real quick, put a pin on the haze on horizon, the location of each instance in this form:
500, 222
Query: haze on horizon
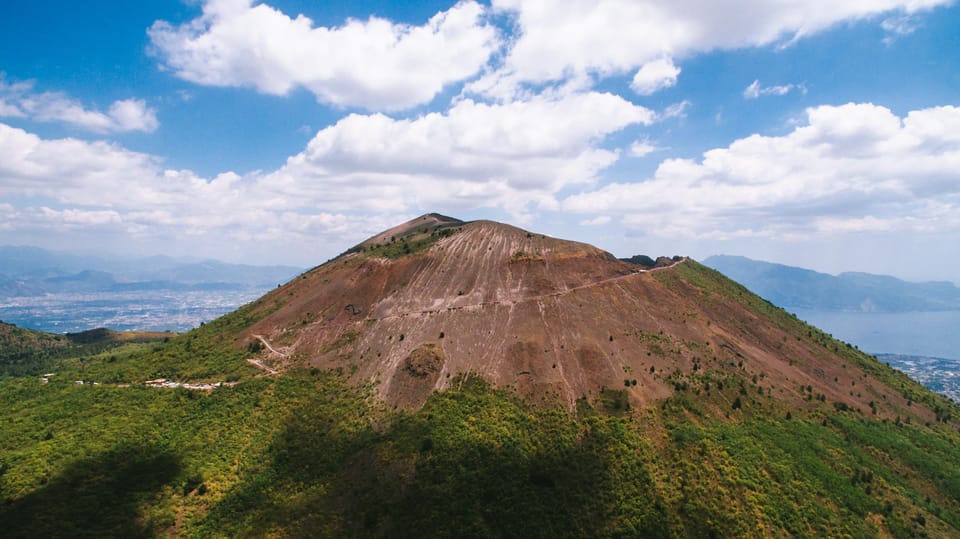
814, 134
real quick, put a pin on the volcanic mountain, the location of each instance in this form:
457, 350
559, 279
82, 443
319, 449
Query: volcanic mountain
413, 307
472, 379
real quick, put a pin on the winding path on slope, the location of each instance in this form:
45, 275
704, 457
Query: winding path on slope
510, 302
259, 364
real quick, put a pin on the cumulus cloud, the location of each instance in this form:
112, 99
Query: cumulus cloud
374, 64
132, 115
476, 154
676, 110
754, 90
515, 156
20, 100
77, 186
850, 168
596, 221
641, 148
856, 167
654, 76
77, 172
560, 39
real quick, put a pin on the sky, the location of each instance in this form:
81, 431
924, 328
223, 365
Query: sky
822, 134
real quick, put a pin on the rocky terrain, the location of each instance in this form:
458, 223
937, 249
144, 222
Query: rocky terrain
414, 307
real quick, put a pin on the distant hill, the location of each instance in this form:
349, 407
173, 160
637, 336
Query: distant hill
790, 286
30, 271
18, 261
25, 352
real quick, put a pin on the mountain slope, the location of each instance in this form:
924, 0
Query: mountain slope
557, 321
802, 288
743, 421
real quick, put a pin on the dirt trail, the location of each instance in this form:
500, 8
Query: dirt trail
258, 364
272, 349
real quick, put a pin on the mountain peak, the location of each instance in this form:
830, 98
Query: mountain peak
417, 306
424, 224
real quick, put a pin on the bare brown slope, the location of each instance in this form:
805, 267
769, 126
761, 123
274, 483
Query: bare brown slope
557, 320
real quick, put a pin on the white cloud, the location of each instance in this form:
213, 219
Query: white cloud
373, 64
856, 167
10, 110
85, 218
676, 110
515, 156
898, 26
73, 171
19, 100
596, 221
132, 115
75, 186
641, 148
654, 76
754, 90
10, 96
510, 155
852, 168
561, 39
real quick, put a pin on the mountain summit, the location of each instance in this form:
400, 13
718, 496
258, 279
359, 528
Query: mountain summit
417, 305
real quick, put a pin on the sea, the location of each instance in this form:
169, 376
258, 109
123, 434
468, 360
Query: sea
924, 333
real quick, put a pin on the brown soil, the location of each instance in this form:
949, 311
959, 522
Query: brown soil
417, 376
555, 320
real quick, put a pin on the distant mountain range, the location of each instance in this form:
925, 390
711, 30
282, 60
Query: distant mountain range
789, 286
32, 271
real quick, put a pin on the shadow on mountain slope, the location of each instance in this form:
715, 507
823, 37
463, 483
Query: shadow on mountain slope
471, 463
96, 497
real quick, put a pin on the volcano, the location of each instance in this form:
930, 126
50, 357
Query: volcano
472, 379
416, 306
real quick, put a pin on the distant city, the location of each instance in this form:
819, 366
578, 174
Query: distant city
940, 375
62, 292
151, 310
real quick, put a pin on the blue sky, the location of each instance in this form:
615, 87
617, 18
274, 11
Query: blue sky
814, 133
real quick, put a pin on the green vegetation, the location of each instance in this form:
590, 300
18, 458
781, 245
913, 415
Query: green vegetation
523, 256
407, 245
713, 288
210, 353
25, 352
306, 454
